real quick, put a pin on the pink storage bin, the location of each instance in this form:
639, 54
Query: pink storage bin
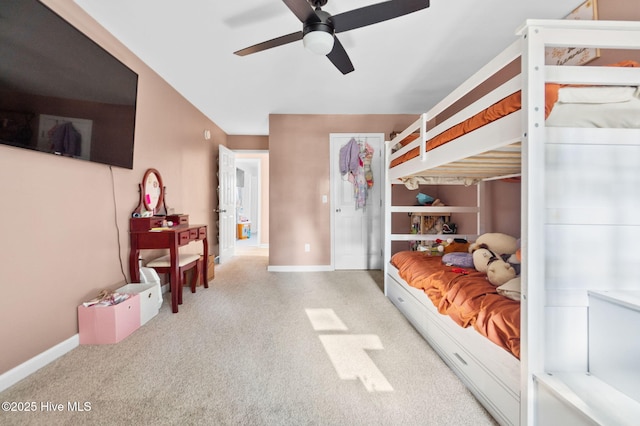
108, 324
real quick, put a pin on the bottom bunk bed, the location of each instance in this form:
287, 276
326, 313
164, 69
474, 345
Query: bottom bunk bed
490, 371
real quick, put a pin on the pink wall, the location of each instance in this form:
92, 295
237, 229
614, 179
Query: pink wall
60, 245
299, 155
249, 142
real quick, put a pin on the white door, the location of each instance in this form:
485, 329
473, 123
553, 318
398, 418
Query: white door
357, 232
226, 203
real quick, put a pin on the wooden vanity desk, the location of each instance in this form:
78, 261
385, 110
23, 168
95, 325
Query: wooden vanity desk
148, 233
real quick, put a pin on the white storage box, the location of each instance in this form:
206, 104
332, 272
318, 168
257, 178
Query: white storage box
150, 298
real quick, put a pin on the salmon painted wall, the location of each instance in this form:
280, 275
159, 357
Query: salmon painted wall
65, 221
299, 176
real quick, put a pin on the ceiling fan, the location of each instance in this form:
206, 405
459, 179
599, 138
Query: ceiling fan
319, 28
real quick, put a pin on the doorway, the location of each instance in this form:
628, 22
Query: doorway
252, 201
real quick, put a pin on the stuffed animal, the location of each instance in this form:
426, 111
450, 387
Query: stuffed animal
451, 245
499, 272
481, 258
500, 244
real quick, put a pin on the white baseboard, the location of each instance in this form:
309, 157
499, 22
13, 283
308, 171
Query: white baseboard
300, 268
29, 367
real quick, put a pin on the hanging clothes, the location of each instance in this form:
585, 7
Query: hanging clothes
368, 173
355, 163
349, 157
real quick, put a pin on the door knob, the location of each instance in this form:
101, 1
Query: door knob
338, 210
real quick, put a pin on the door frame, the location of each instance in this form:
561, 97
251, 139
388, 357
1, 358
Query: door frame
334, 174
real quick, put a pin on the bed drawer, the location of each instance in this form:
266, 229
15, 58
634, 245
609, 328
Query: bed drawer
407, 304
502, 403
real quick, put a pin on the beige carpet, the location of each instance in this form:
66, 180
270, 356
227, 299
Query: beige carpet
244, 352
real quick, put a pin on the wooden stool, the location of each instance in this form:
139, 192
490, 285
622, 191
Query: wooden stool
162, 265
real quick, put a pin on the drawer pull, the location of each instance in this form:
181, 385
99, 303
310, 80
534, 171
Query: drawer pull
460, 358
400, 300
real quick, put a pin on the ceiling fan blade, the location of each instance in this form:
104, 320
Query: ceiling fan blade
289, 38
375, 13
338, 56
303, 10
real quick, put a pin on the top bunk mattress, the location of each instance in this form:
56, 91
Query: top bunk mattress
565, 106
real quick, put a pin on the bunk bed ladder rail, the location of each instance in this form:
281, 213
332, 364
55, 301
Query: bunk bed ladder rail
420, 123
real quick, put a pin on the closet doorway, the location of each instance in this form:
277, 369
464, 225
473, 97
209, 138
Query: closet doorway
356, 229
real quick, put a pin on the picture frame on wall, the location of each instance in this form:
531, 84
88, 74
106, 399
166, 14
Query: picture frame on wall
572, 55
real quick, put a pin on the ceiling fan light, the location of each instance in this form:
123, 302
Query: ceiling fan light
319, 42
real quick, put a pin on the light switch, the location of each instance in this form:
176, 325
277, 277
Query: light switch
324, 199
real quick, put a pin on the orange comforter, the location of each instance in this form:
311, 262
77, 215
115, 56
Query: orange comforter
500, 109
468, 298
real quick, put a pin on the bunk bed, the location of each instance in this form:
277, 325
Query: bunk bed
534, 139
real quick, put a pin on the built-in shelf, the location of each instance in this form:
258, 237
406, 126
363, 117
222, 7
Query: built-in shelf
434, 210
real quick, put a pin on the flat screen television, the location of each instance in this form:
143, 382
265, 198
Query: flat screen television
61, 93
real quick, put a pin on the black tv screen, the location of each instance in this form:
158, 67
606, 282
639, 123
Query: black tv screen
61, 93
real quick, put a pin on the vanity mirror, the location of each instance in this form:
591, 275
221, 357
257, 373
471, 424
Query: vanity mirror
152, 201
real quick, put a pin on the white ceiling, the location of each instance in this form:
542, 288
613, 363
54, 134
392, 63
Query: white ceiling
402, 66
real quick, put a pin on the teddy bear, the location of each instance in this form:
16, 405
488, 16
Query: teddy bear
481, 257
500, 272
499, 243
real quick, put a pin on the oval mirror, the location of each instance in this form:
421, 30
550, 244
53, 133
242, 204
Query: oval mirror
152, 190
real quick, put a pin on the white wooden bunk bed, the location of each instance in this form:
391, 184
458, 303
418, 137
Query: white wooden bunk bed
580, 193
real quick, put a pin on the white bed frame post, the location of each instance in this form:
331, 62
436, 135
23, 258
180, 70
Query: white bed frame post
386, 210
532, 223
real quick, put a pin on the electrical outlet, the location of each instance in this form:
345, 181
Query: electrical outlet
307, 247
